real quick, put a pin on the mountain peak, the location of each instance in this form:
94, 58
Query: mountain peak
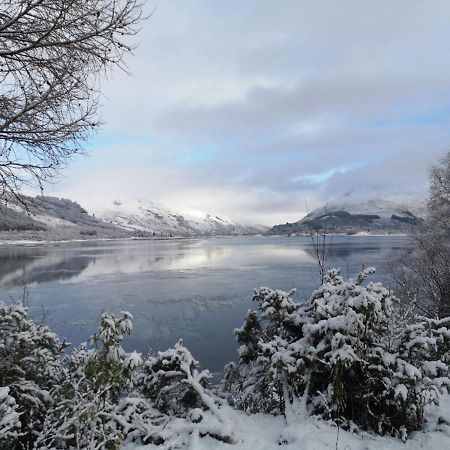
362, 210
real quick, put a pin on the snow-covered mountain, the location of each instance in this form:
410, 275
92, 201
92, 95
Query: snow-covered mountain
149, 217
371, 201
52, 218
363, 210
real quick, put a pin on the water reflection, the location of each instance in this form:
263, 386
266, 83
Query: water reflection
44, 271
80, 262
198, 290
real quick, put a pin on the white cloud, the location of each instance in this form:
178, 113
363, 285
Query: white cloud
234, 107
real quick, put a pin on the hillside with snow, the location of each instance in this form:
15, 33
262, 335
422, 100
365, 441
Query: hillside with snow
144, 216
361, 211
52, 218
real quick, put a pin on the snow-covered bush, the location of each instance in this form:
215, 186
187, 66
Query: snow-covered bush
172, 381
109, 365
93, 381
29, 366
137, 420
99, 396
349, 351
255, 383
9, 420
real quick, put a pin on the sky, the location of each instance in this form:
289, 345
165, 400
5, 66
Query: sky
260, 110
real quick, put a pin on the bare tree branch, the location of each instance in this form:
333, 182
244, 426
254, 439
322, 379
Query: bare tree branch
422, 274
52, 55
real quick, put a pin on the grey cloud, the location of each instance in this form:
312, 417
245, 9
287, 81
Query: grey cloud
275, 91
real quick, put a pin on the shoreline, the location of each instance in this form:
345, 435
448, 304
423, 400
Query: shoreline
55, 241
362, 234
43, 242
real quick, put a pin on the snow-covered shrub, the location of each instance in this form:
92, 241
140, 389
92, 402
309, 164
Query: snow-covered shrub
349, 351
99, 396
421, 372
256, 382
29, 366
175, 386
172, 381
9, 420
93, 381
365, 361
136, 419
109, 365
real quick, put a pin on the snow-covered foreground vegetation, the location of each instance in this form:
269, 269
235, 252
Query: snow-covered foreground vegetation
266, 432
348, 368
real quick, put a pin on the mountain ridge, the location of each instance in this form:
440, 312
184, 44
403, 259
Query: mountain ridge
353, 213
54, 218
149, 217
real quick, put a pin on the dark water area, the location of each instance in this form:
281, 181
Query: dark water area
198, 290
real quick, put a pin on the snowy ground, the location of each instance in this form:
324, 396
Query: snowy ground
264, 432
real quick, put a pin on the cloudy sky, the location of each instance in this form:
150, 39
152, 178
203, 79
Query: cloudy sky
253, 110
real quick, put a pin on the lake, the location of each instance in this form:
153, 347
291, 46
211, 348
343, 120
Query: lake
195, 289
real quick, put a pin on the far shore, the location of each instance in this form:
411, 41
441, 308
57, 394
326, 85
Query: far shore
10, 240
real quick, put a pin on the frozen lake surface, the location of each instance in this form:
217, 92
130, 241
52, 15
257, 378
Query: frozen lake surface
198, 289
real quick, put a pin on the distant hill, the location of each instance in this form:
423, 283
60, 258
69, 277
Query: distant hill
360, 212
52, 218
149, 217
44, 217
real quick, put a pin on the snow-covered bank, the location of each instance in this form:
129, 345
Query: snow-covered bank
266, 432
